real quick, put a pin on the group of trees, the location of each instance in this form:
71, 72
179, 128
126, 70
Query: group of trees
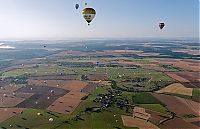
18, 80
77, 64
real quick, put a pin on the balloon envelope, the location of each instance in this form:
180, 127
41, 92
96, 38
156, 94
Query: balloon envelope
161, 25
77, 6
89, 14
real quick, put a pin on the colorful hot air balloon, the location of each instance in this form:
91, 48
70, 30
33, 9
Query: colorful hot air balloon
77, 6
161, 25
89, 14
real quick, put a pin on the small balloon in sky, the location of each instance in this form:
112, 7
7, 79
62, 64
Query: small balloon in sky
161, 25
77, 6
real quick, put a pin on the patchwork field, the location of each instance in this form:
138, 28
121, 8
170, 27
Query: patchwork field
189, 51
68, 103
75, 85
176, 104
42, 98
84, 88
156, 117
10, 97
50, 83
89, 88
130, 121
176, 88
7, 113
97, 77
10, 100
178, 123
191, 76
53, 77
178, 78
191, 65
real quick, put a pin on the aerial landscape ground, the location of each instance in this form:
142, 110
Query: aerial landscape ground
97, 84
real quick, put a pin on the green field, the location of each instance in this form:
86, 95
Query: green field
196, 92
156, 107
147, 101
188, 116
144, 98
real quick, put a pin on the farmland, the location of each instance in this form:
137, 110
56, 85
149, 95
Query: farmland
98, 88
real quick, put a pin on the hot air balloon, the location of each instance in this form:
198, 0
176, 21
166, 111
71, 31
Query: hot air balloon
161, 25
50, 119
77, 6
89, 14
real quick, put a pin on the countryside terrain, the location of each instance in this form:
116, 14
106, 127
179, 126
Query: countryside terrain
96, 84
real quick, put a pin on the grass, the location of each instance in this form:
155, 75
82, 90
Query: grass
156, 107
139, 72
143, 61
127, 95
188, 116
196, 92
38, 71
145, 98
29, 116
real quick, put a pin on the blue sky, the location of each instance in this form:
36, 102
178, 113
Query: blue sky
58, 19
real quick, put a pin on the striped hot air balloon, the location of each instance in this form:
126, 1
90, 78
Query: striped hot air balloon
88, 14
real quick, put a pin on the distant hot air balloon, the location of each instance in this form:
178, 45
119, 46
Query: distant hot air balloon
161, 25
77, 6
89, 14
